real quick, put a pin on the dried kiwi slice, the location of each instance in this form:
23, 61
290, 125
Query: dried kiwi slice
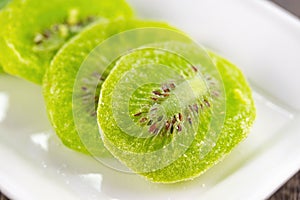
154, 114
1, 70
3, 3
34, 30
58, 85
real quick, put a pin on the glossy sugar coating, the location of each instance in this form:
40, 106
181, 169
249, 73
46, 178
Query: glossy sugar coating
240, 115
60, 78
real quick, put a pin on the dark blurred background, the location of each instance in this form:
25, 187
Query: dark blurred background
291, 189
291, 5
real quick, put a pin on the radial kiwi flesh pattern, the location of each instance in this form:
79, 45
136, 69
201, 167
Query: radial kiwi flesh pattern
60, 79
155, 110
160, 104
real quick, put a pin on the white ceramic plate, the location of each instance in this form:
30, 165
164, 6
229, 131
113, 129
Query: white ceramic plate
258, 36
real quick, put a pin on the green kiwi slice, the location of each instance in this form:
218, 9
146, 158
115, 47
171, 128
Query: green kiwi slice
3, 3
34, 30
1, 70
61, 76
158, 118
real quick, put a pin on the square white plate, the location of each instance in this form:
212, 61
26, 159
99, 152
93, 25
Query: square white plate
262, 39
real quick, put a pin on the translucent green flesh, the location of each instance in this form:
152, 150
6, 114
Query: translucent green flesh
141, 99
3, 3
21, 21
240, 114
60, 78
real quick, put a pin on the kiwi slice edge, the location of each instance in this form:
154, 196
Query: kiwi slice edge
58, 92
240, 115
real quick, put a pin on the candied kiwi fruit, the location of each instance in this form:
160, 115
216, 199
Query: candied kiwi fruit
34, 30
1, 70
59, 80
3, 3
155, 118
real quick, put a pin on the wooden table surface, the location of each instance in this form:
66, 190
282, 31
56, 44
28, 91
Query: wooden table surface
291, 189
